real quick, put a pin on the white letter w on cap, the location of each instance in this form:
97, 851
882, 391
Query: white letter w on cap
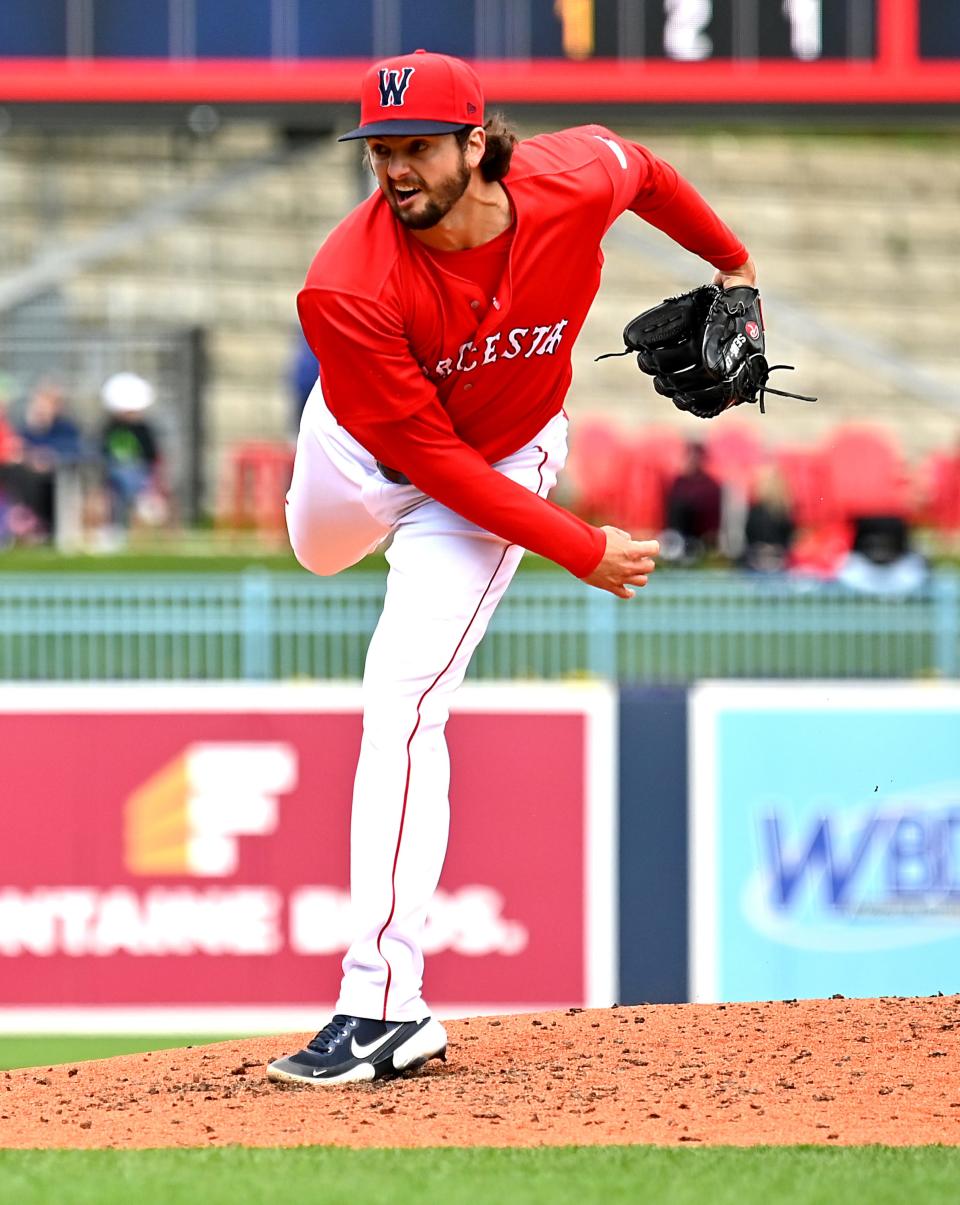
393, 84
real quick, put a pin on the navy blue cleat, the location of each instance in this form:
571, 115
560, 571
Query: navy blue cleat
352, 1050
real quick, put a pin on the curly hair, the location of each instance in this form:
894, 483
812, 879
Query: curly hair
501, 140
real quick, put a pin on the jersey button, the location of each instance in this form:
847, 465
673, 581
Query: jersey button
468, 385
474, 305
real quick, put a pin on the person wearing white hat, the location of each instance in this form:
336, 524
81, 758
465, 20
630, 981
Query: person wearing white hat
128, 444
126, 393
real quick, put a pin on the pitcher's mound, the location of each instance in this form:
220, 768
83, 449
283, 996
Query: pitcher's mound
818, 1071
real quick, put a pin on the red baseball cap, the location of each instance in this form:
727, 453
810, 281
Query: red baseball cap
418, 93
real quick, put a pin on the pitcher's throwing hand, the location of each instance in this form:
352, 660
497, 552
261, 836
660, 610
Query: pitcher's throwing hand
625, 562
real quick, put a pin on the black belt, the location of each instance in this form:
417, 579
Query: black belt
393, 475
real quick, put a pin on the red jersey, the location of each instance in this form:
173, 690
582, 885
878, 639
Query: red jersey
439, 381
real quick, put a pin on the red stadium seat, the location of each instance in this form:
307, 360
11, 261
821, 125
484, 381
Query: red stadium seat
597, 455
735, 453
664, 448
640, 497
866, 473
260, 473
821, 550
939, 488
805, 472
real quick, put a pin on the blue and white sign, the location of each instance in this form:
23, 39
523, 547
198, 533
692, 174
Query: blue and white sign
824, 840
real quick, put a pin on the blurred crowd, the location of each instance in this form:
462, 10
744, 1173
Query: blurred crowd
98, 480
849, 511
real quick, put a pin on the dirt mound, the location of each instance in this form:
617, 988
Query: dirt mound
815, 1071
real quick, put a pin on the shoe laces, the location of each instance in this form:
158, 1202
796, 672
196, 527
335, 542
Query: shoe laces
332, 1034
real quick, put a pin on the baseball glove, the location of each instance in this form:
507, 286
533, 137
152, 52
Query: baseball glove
705, 350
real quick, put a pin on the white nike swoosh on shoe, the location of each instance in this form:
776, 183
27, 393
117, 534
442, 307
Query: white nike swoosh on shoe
362, 1052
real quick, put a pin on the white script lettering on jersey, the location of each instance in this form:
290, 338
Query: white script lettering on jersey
522, 341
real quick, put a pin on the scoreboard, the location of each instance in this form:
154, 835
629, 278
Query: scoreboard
793, 52
694, 30
697, 30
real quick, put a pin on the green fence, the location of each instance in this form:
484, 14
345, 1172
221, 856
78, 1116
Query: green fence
260, 625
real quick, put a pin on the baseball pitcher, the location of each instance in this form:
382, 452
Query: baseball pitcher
443, 311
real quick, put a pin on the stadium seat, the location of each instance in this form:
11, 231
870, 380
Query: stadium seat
642, 485
259, 477
664, 448
805, 472
734, 453
866, 473
595, 468
938, 486
820, 551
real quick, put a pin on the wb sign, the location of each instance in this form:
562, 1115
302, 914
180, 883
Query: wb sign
898, 863
825, 840
393, 85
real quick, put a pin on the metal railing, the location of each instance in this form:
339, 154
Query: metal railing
262, 626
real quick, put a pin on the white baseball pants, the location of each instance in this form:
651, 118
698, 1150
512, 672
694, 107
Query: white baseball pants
445, 580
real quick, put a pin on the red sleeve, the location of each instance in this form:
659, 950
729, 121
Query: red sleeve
376, 391
365, 359
685, 216
653, 189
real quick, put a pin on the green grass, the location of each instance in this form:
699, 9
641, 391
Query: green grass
580, 1175
32, 1050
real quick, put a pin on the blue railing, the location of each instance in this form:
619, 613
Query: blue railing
257, 625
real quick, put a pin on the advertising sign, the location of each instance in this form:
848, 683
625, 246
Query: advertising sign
177, 856
825, 840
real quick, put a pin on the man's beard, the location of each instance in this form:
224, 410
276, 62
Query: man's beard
442, 199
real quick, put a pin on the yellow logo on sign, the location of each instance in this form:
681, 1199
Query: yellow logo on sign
186, 819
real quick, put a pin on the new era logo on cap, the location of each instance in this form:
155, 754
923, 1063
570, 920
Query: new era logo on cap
418, 93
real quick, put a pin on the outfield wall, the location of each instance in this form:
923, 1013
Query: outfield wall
824, 840
175, 857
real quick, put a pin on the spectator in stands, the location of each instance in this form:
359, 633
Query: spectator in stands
769, 528
130, 451
50, 437
48, 444
693, 506
881, 560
